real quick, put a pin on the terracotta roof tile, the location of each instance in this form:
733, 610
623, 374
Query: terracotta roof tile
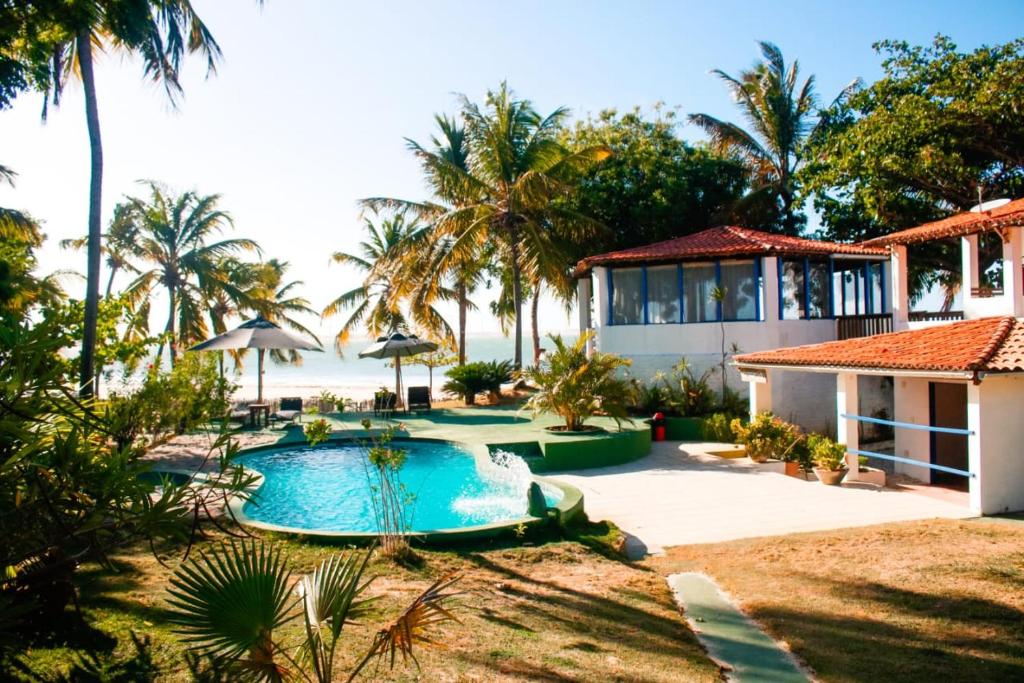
985, 345
724, 241
958, 225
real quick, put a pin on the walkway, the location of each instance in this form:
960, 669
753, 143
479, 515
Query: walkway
678, 495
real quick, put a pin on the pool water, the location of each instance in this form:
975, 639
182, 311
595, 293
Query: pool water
327, 488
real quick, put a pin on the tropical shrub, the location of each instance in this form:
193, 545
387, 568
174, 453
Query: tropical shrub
683, 392
391, 501
317, 431
767, 436
575, 387
473, 378
646, 399
230, 604
716, 427
826, 453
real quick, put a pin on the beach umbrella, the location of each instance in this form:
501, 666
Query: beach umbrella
397, 346
259, 334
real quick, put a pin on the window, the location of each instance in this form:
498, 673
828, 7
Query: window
858, 287
791, 289
739, 285
698, 284
818, 286
663, 294
627, 296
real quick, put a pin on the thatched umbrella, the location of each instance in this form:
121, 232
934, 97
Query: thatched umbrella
397, 345
259, 334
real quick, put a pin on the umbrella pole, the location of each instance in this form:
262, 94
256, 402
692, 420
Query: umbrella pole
398, 381
259, 377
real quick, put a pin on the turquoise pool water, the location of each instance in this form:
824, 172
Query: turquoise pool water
327, 488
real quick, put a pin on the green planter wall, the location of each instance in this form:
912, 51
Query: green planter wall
684, 428
597, 450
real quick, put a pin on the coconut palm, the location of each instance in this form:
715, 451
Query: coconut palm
174, 234
161, 33
376, 303
117, 246
780, 113
278, 301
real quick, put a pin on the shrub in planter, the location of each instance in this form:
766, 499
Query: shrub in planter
688, 394
472, 378
829, 459
767, 436
497, 373
575, 387
717, 428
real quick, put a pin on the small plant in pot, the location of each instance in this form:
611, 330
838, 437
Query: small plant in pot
766, 436
829, 459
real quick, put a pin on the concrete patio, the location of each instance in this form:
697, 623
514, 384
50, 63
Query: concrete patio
679, 495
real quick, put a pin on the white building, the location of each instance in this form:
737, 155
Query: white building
655, 305
958, 377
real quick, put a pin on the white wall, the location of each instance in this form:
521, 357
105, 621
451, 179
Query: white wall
995, 451
910, 399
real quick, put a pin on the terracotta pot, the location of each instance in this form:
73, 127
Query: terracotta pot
793, 470
830, 477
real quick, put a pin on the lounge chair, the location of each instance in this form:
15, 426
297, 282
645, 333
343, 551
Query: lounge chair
419, 399
384, 402
289, 409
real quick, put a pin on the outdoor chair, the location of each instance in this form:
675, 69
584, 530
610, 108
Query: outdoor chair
289, 409
419, 399
384, 402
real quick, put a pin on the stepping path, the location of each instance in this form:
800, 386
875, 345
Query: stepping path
731, 638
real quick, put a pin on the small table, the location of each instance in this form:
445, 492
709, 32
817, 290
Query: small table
254, 411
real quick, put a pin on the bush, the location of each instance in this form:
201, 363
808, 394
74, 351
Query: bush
768, 436
826, 453
716, 428
575, 387
687, 393
317, 431
473, 378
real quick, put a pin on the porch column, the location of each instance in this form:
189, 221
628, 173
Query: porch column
974, 465
899, 287
847, 403
584, 302
1013, 258
760, 393
770, 288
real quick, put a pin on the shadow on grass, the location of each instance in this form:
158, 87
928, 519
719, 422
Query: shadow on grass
968, 638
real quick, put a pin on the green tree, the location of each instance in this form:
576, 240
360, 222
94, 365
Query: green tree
160, 32
780, 112
279, 302
654, 186
174, 233
938, 130
20, 288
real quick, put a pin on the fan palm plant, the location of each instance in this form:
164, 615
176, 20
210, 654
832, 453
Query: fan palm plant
780, 112
173, 238
230, 604
161, 33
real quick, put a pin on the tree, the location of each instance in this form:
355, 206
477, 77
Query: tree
780, 112
654, 186
20, 235
173, 239
517, 171
278, 301
161, 33
376, 302
938, 130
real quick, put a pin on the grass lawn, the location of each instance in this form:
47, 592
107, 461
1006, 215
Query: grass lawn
938, 600
554, 612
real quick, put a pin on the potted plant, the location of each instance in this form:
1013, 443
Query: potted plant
575, 387
829, 459
766, 436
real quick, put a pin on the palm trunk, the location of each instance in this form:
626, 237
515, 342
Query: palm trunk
517, 301
463, 306
534, 325
259, 375
110, 282
92, 282
170, 329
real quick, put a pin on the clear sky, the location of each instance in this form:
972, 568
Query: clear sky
309, 109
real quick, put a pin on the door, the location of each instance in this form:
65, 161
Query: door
948, 408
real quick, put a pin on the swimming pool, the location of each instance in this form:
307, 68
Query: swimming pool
326, 489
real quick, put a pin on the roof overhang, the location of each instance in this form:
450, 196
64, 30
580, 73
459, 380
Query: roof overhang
962, 375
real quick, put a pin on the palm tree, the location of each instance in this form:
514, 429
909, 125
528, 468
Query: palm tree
173, 238
277, 301
510, 181
118, 243
779, 111
161, 32
376, 302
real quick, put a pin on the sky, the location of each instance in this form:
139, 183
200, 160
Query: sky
310, 108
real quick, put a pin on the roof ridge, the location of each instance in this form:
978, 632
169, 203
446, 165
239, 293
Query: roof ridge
999, 336
748, 235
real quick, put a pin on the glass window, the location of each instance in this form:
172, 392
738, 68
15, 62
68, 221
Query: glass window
739, 283
698, 284
819, 286
878, 288
791, 287
663, 294
627, 297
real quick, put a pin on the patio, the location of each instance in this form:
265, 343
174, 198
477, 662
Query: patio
679, 495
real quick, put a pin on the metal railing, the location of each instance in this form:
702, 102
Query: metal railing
934, 316
853, 326
910, 461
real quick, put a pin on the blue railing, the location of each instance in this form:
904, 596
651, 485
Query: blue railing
910, 425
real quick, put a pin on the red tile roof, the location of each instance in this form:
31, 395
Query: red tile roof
725, 241
985, 345
958, 225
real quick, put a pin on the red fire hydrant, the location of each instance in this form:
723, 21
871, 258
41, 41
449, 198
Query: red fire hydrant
658, 426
